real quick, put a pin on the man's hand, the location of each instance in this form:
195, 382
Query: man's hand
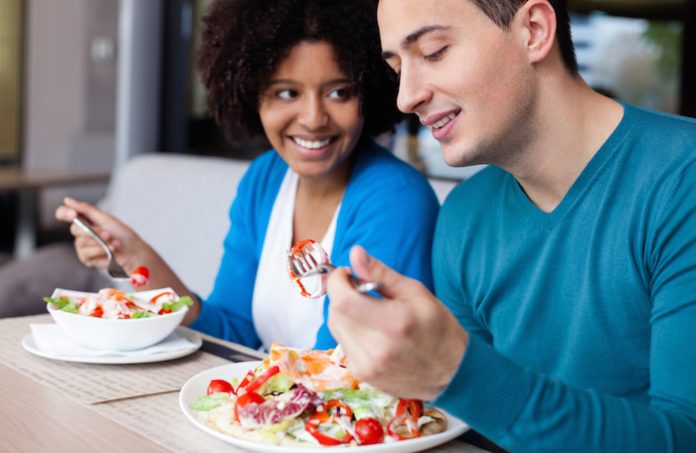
406, 344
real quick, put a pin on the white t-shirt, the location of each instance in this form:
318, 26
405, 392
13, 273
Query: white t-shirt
280, 313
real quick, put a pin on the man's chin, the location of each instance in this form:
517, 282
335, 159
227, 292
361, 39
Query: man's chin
456, 159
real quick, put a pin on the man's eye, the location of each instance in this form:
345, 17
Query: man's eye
435, 56
286, 94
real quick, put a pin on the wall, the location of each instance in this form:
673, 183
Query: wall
70, 90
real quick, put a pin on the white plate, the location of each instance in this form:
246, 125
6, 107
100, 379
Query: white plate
197, 386
117, 359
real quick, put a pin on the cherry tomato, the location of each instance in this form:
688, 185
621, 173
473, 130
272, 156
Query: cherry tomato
369, 431
140, 277
246, 399
98, 312
219, 386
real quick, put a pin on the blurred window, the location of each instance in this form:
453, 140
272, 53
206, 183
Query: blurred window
10, 79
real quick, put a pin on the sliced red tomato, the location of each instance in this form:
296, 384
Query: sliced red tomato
245, 400
369, 431
140, 277
220, 386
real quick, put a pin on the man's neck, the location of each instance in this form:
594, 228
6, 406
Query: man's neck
571, 123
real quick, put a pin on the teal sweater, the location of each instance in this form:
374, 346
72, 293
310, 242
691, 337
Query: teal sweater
583, 320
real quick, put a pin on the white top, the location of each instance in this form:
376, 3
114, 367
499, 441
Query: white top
280, 313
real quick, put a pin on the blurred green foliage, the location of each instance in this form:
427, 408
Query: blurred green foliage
667, 36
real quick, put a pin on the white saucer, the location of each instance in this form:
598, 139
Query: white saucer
118, 359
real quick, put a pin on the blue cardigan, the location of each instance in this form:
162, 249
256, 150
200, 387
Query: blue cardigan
388, 207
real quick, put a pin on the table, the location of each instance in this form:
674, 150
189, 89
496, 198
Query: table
28, 183
43, 410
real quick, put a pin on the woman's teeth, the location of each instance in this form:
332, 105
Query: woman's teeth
443, 122
311, 144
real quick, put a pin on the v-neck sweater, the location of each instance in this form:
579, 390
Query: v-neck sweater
582, 320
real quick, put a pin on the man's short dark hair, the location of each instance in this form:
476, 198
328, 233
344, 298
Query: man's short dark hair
502, 11
244, 41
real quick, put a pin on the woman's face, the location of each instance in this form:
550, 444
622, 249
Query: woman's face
310, 111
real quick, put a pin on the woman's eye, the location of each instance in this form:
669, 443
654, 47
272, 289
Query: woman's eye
435, 56
286, 94
340, 93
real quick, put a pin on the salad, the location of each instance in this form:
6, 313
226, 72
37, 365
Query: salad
110, 303
309, 398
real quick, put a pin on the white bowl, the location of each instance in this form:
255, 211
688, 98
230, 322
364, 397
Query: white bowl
114, 334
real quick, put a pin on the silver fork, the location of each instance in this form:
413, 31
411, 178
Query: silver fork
113, 268
303, 263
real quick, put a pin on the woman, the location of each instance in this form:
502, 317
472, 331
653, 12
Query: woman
308, 74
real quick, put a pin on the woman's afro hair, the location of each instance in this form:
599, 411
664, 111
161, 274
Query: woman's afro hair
244, 41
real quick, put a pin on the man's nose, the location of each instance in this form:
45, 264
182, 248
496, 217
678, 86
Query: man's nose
413, 91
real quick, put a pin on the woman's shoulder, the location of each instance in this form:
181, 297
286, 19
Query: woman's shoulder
268, 162
381, 182
377, 167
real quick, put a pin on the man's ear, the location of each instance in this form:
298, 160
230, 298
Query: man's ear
536, 20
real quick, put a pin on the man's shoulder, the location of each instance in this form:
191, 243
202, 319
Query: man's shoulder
377, 170
671, 132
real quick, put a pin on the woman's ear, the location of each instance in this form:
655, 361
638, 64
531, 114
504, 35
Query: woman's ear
536, 20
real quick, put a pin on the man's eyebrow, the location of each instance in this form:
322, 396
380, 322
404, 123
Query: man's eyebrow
415, 36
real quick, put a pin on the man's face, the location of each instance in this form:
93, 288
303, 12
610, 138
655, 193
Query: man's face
468, 80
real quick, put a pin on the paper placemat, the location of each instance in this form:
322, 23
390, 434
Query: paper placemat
90, 383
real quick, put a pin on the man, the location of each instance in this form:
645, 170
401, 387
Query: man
568, 266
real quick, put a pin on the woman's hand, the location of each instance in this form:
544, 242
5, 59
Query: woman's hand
127, 247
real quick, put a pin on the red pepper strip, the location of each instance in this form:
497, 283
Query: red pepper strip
338, 404
154, 299
247, 378
296, 279
312, 427
263, 377
407, 412
395, 423
300, 245
413, 408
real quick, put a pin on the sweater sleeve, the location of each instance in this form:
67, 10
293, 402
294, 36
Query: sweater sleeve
226, 313
525, 411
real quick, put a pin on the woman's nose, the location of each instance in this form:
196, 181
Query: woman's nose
314, 114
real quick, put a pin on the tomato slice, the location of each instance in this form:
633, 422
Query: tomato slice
220, 386
245, 400
369, 431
